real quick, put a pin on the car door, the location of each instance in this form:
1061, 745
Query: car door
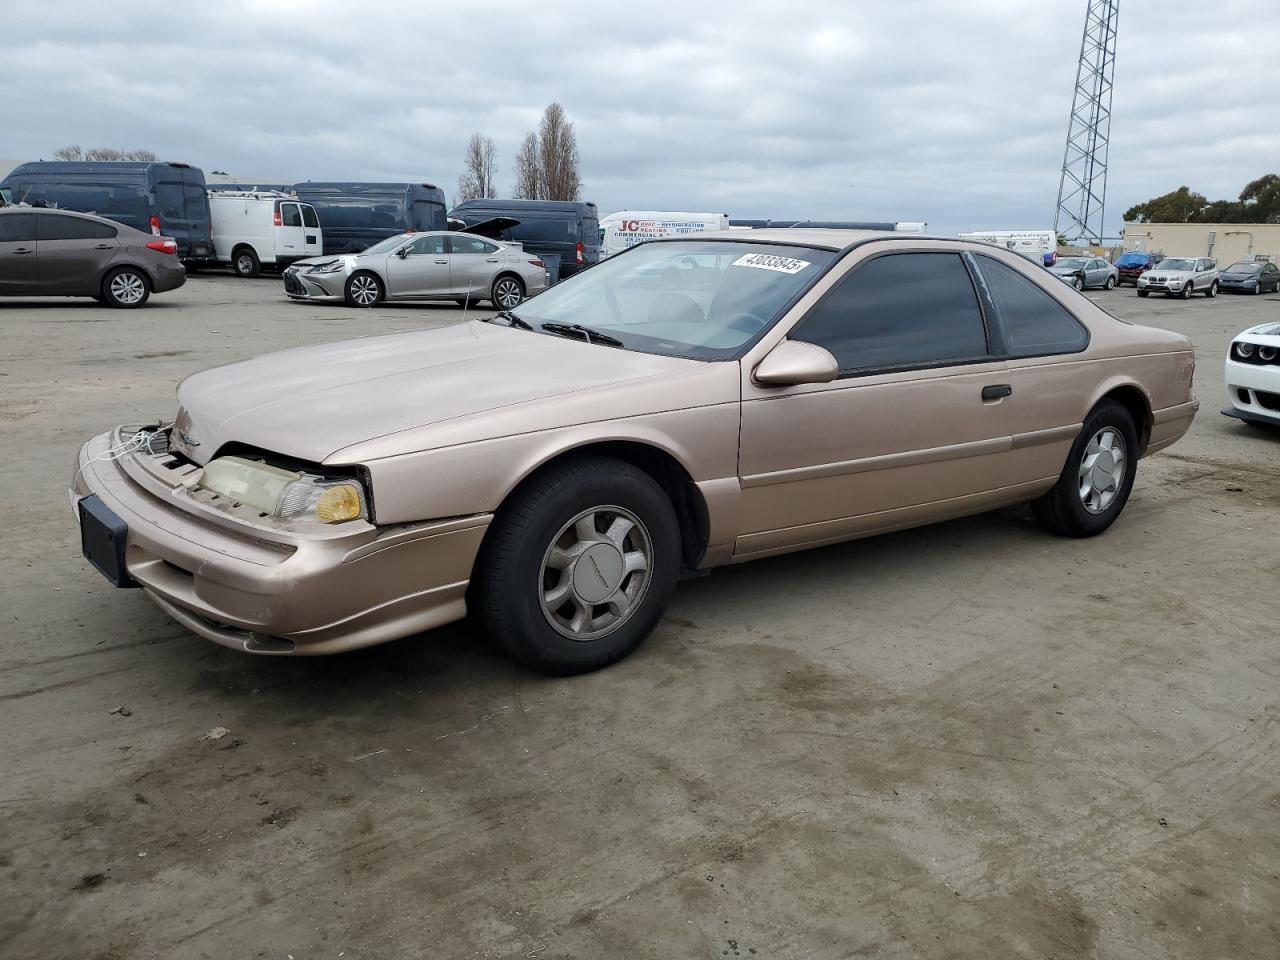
1202, 277
1270, 278
473, 262
19, 260
913, 427
420, 269
291, 242
312, 238
74, 253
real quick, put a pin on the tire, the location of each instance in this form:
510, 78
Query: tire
521, 572
1078, 283
1186, 291
1257, 290
126, 288
1111, 283
1212, 291
245, 263
507, 292
1064, 509
364, 289
1144, 293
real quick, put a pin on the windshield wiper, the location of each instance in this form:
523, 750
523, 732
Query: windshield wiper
511, 318
587, 334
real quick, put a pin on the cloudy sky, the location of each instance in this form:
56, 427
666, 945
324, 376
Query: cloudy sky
937, 110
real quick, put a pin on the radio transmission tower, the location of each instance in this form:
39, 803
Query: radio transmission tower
1082, 191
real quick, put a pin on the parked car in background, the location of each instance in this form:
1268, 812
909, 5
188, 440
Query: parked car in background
355, 216
252, 230
626, 228
58, 253
566, 230
554, 470
1085, 272
1181, 277
1250, 276
1134, 264
438, 265
1253, 375
163, 199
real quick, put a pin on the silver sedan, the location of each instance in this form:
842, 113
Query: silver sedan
436, 265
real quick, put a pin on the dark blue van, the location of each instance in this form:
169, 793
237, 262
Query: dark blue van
568, 229
355, 216
166, 199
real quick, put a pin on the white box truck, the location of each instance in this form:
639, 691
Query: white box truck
1040, 246
626, 228
253, 229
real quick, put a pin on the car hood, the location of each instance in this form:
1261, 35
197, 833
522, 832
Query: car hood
316, 261
1064, 271
1175, 274
1267, 333
479, 379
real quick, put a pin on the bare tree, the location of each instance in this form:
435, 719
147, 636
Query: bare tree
477, 183
528, 184
558, 152
547, 162
73, 152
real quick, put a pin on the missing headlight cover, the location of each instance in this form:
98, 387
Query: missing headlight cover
285, 494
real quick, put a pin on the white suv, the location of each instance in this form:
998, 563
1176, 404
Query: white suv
1181, 276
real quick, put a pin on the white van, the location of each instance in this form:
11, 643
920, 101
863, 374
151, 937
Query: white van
626, 228
1032, 244
257, 228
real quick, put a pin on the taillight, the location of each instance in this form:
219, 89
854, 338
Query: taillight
163, 246
155, 225
277, 219
537, 263
579, 252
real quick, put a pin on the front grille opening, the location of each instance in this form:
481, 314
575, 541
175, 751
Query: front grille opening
1269, 400
1243, 394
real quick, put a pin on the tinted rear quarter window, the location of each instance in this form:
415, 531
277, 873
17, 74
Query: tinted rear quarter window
1035, 323
900, 310
471, 245
53, 227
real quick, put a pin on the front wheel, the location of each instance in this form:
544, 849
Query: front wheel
1095, 483
1186, 292
1212, 291
1144, 293
364, 290
507, 292
1077, 282
125, 288
578, 566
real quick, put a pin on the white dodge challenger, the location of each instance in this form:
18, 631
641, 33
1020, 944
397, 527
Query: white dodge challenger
1253, 375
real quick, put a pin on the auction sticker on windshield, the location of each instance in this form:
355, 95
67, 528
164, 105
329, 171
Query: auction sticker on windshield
766, 261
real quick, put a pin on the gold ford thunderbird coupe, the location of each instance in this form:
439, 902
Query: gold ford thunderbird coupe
686, 404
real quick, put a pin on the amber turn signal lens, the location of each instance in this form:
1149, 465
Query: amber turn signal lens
338, 504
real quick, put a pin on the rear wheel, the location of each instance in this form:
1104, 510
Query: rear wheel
1111, 283
1095, 483
125, 288
507, 292
364, 290
1212, 291
578, 566
246, 263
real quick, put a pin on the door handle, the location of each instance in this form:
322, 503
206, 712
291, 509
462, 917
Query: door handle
442, 261
23, 251
103, 246
493, 260
996, 391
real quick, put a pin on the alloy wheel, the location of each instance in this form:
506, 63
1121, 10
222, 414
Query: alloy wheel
508, 293
595, 572
1102, 470
364, 291
245, 264
128, 287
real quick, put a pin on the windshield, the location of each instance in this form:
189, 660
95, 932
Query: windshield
1245, 267
1071, 263
387, 245
1176, 264
702, 300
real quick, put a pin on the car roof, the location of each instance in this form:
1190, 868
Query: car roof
27, 208
817, 237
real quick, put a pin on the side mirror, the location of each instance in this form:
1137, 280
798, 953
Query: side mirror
794, 361
403, 252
